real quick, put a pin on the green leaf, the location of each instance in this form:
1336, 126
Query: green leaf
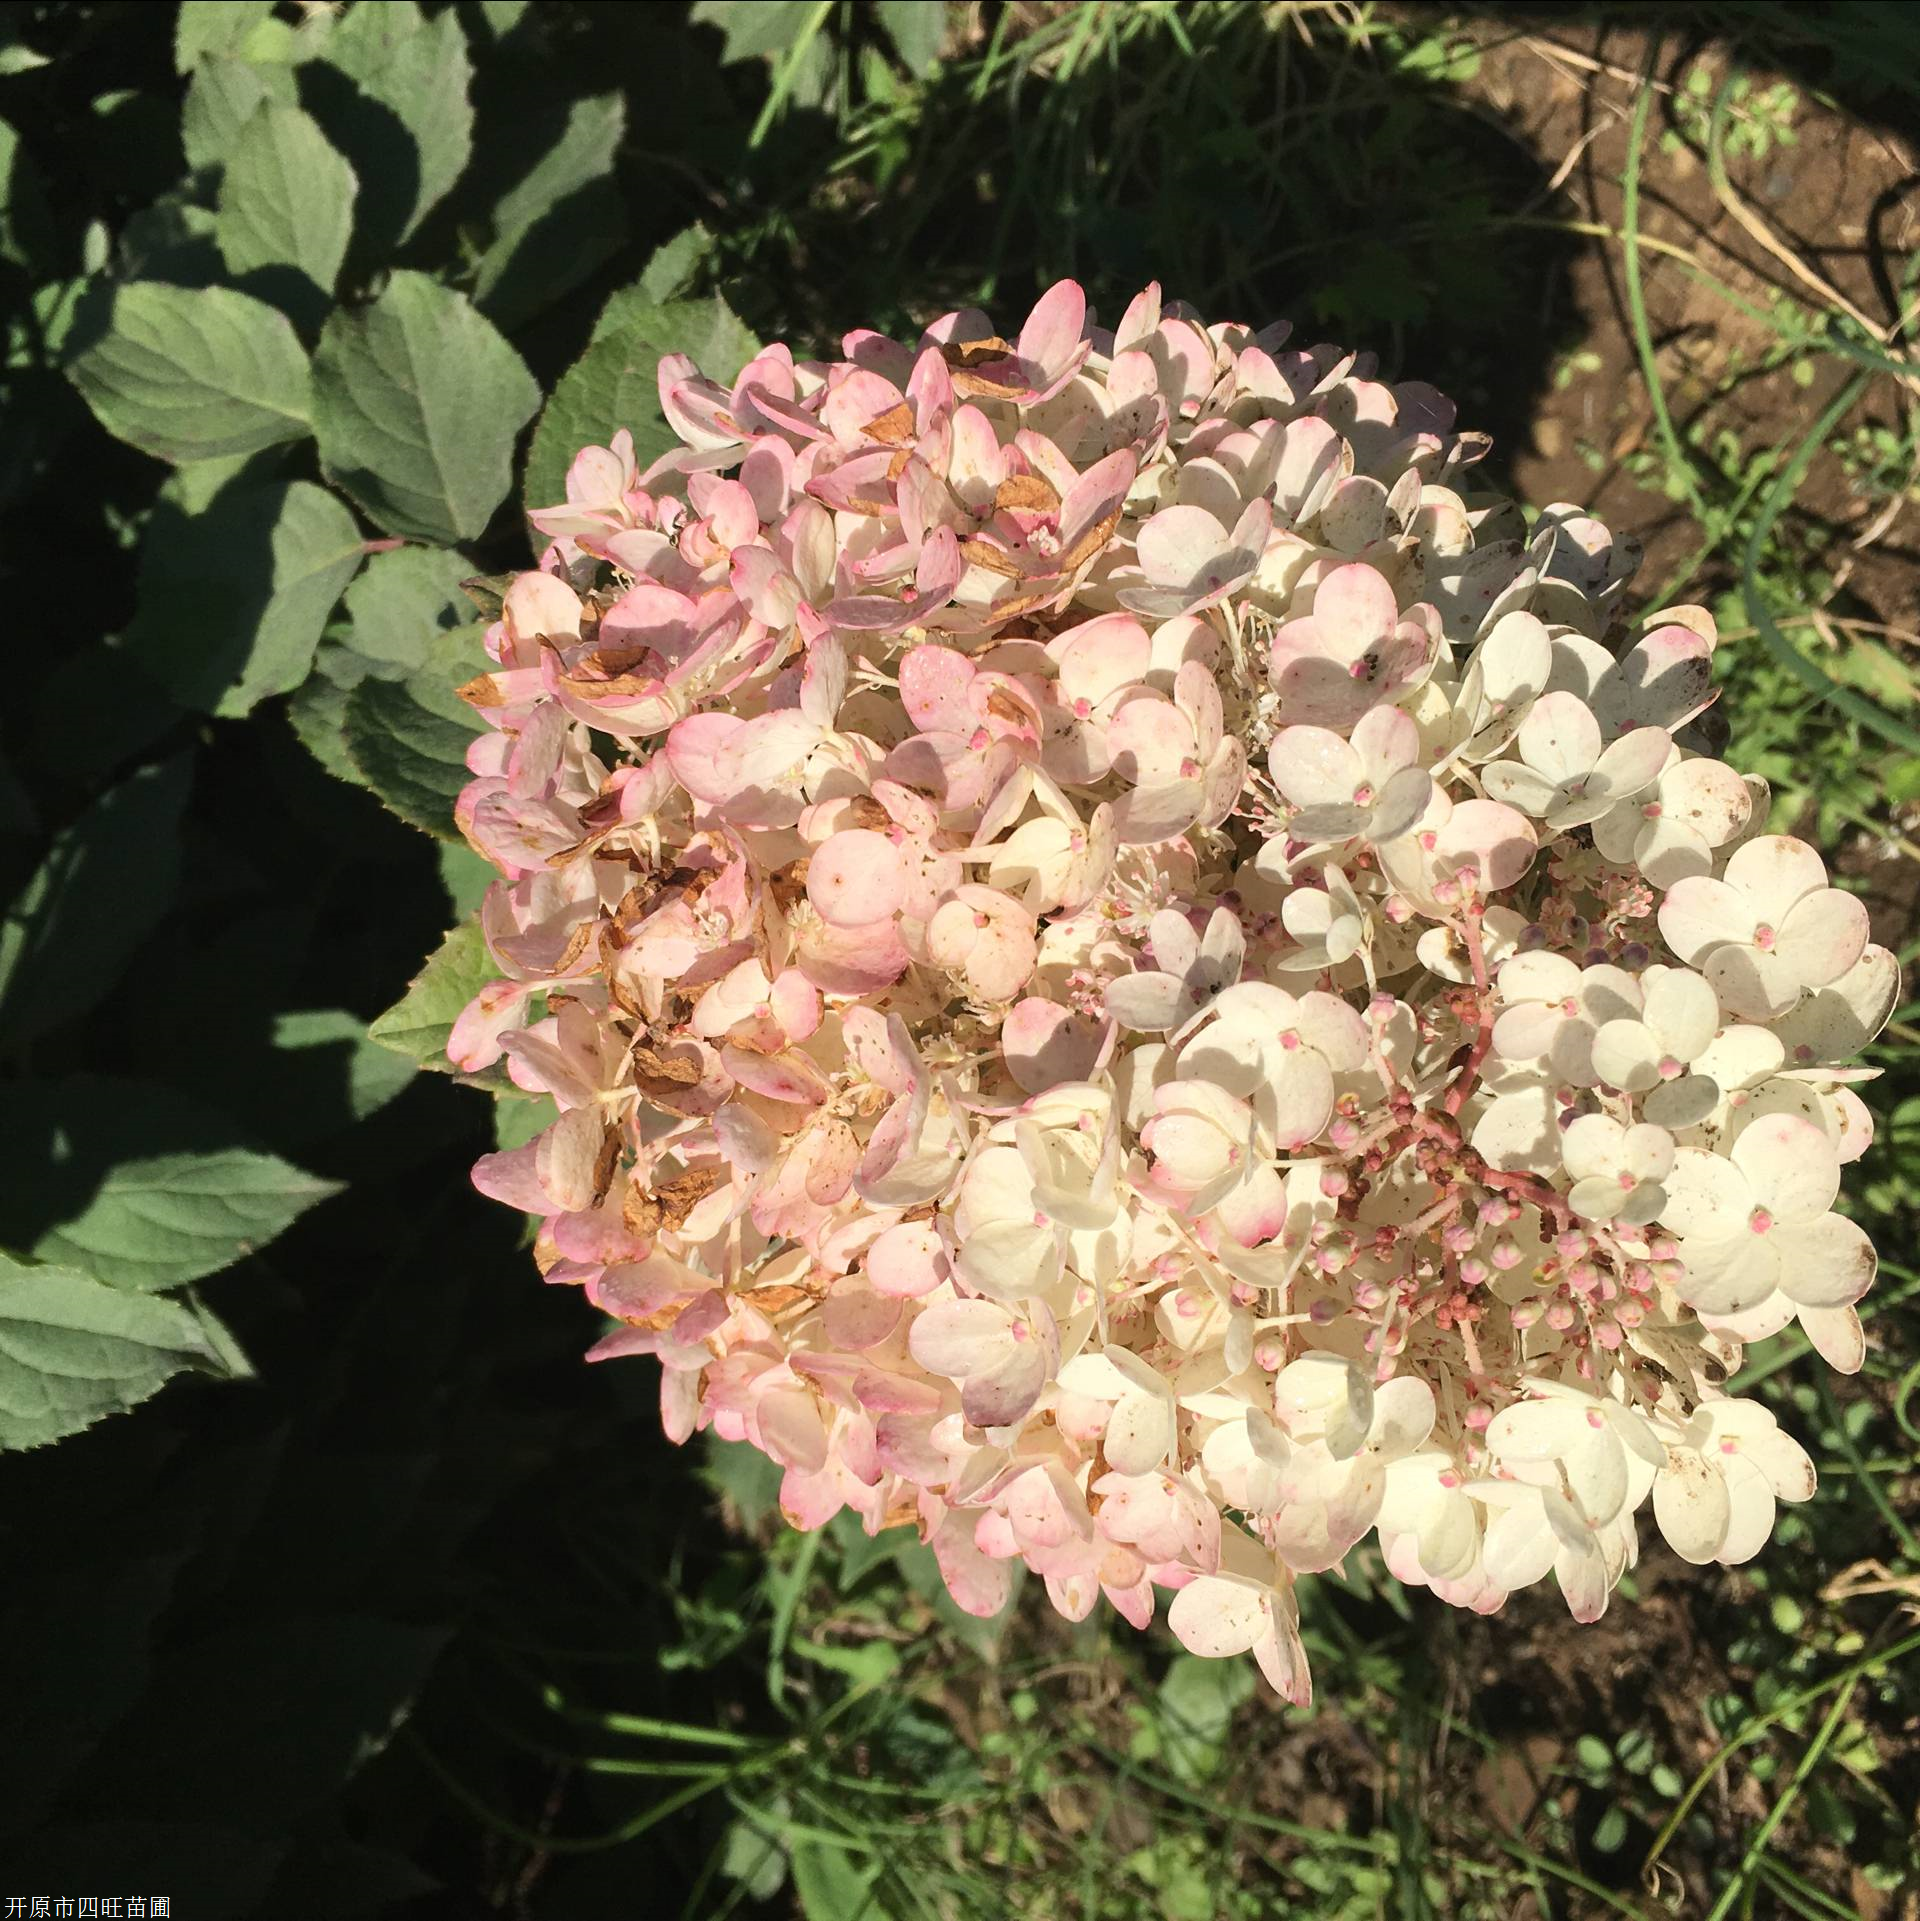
73, 1351
397, 609
615, 383
465, 876
562, 220
409, 740
233, 600
401, 601
516, 1122
832, 1884
204, 29
918, 30
421, 1022
417, 403
403, 119
326, 1070
140, 1186
222, 98
191, 373
668, 273
754, 1859
27, 235
1197, 1702
286, 209
317, 711
105, 883
768, 30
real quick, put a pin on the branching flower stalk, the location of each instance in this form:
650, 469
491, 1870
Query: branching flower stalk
1138, 978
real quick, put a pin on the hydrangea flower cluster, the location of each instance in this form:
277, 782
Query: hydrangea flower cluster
1137, 977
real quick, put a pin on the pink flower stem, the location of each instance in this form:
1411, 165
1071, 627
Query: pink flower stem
1456, 1096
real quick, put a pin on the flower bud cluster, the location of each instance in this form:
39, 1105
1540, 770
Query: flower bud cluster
1138, 977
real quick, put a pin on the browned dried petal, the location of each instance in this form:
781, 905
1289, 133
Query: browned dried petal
665, 1206
481, 691
891, 427
991, 559
1027, 494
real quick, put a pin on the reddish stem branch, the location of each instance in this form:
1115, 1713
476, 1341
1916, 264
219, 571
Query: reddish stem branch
1456, 1095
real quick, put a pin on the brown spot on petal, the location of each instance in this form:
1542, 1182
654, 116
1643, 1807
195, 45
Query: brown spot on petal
607, 1163
972, 353
481, 691
1026, 494
984, 369
777, 1299
668, 1070
891, 427
991, 559
1090, 543
666, 1205
576, 945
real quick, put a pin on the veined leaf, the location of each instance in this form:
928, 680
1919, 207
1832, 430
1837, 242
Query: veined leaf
286, 209
138, 1185
73, 1350
190, 373
421, 1022
233, 600
418, 401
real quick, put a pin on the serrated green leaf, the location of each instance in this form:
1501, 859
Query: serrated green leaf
233, 600
397, 107
205, 29
420, 1023
140, 1186
317, 712
561, 221
417, 403
667, 275
409, 740
615, 383
286, 209
191, 373
465, 876
222, 98
400, 601
918, 30
119, 859
583, 152
73, 1351
397, 611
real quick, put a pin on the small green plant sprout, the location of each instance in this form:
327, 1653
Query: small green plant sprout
1757, 121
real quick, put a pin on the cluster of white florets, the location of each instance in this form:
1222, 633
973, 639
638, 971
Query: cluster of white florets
1140, 980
